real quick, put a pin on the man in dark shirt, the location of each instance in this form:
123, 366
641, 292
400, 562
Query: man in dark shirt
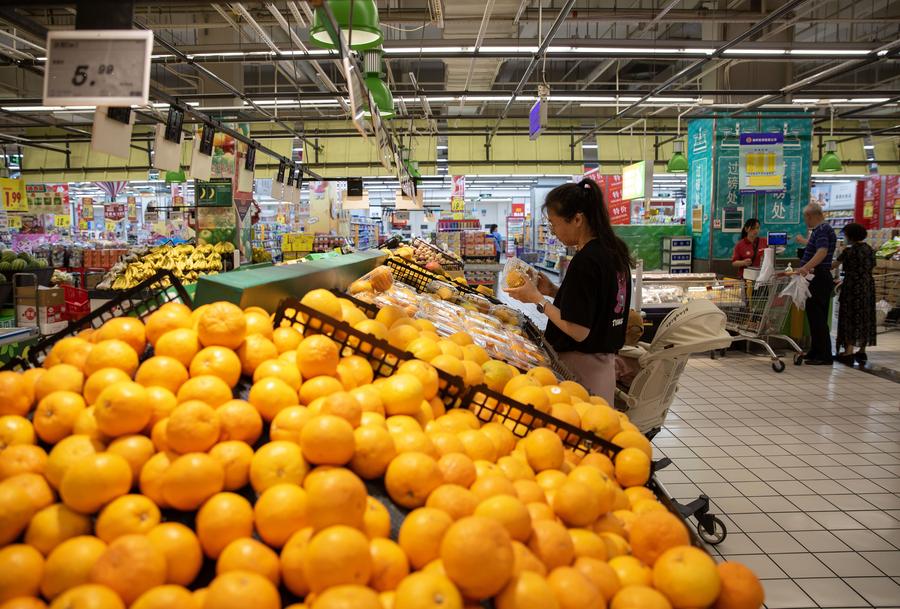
816, 260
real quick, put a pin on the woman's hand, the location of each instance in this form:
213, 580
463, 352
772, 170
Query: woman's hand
527, 292
545, 286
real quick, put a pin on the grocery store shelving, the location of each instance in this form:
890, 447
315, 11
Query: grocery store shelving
365, 234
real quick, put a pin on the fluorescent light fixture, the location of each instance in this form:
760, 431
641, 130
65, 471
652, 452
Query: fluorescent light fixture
869, 146
507, 49
427, 50
830, 51
589, 146
441, 147
849, 176
773, 52
868, 100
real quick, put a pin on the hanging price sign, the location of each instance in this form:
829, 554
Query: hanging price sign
13, 194
87, 208
62, 221
15, 221
111, 226
82, 225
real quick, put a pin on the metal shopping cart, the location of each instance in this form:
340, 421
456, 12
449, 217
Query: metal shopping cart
755, 312
887, 299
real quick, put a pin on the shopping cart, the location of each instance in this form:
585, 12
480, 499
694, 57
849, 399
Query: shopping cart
887, 300
755, 312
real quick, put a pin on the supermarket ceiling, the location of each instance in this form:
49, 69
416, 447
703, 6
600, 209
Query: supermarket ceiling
607, 63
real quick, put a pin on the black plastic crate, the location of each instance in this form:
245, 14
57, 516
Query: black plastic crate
418, 277
140, 301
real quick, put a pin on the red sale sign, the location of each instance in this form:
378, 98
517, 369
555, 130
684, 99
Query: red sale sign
891, 212
611, 187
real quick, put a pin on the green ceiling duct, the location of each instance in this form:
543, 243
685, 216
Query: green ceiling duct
830, 161
678, 163
366, 33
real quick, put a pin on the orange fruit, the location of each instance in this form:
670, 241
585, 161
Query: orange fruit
634, 439
16, 395
241, 589
323, 301
402, 394
55, 415
246, 554
599, 573
335, 556
336, 497
15, 430
639, 596
235, 457
740, 587
543, 375
258, 322
86, 424
221, 324
573, 590
317, 387
126, 515
288, 423
474, 353
279, 512
89, 595
317, 355
21, 568
93, 480
162, 597
292, 559
449, 364
543, 450
457, 501
62, 377
135, 449
276, 462
529, 491
478, 557
24, 602
631, 571
525, 560
68, 451
122, 408
575, 389
255, 350
632, 467
373, 451
161, 321
158, 435
100, 380
182, 344
191, 479
508, 511
423, 347
193, 426
532, 395
478, 445
527, 590
239, 420
653, 533
112, 353
69, 564
601, 462
54, 524
457, 468
551, 543
127, 329
376, 520
492, 485
425, 372
411, 477
687, 576
130, 566
401, 336
69, 350
474, 375
343, 405
424, 590
286, 339
576, 504
162, 371
162, 403
222, 519
39, 493
281, 369
270, 395
206, 388
354, 371
180, 547
389, 564
445, 442
587, 543
413, 441
373, 327
344, 597
421, 534
217, 361
503, 439
602, 421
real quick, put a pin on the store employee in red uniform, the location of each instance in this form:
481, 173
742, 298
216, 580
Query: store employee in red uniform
748, 251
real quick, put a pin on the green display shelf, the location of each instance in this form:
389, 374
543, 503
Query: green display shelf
266, 287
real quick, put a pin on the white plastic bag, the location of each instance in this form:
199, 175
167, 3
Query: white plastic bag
798, 291
767, 268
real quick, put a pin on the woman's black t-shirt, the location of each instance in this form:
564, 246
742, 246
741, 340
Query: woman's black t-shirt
595, 296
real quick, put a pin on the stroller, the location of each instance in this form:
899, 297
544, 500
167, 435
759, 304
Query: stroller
695, 327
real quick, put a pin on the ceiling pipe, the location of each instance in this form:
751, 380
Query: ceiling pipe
296, 40
482, 30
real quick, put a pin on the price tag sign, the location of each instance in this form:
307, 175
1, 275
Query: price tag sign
15, 221
13, 194
111, 226
62, 221
87, 208
98, 67
82, 225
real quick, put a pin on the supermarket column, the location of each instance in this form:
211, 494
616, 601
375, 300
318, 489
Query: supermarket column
587, 318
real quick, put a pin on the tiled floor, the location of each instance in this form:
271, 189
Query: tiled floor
886, 352
804, 468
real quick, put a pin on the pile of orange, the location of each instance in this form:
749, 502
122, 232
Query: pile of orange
99, 444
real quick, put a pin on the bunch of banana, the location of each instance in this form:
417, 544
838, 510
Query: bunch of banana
186, 262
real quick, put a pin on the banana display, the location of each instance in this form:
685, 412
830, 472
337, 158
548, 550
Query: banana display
187, 262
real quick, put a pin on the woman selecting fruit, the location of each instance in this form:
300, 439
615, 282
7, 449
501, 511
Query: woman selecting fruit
587, 317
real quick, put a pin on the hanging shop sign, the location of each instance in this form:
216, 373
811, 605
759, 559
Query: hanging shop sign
213, 194
114, 211
458, 204
868, 197
13, 194
761, 159
458, 186
47, 198
97, 67
111, 226
86, 212
634, 180
132, 209
891, 214
517, 209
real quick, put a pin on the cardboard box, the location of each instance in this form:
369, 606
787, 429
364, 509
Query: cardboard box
41, 307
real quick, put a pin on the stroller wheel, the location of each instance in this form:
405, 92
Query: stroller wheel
778, 366
711, 529
798, 359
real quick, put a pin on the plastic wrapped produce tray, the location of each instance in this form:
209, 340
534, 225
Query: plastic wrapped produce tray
449, 262
417, 277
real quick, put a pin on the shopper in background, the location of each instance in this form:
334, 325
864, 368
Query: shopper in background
494, 234
748, 250
588, 316
816, 261
856, 316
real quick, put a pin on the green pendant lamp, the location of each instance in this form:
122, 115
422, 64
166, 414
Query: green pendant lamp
382, 96
364, 32
678, 163
830, 161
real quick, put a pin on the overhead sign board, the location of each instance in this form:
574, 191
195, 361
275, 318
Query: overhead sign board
97, 67
537, 118
634, 181
761, 162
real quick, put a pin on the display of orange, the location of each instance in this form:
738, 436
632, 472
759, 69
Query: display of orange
288, 423
276, 462
62, 377
741, 588
411, 477
687, 576
576, 504
402, 394
572, 589
281, 369
543, 450
653, 533
413, 441
54, 524
354, 371
217, 361
111, 353
182, 344
599, 573
162, 403
180, 547
65, 453
206, 388
335, 497
191, 479
631, 571
341, 597
255, 350
239, 420
122, 408
492, 484
241, 589
222, 519
445, 442
323, 301
337, 555
292, 558
126, 515
373, 450
221, 324
93, 480
270, 395
24, 602
55, 415
136, 449
551, 543
634, 439
235, 457
639, 596
162, 371
527, 590
421, 534
401, 335
246, 554
508, 511
38, 492
286, 339
632, 467
127, 329
21, 568
69, 565
317, 387
86, 424
16, 394
130, 566
163, 320
477, 555
457, 468
100, 380
601, 420
193, 426
163, 597
258, 322
340, 404
279, 512
317, 355
389, 564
